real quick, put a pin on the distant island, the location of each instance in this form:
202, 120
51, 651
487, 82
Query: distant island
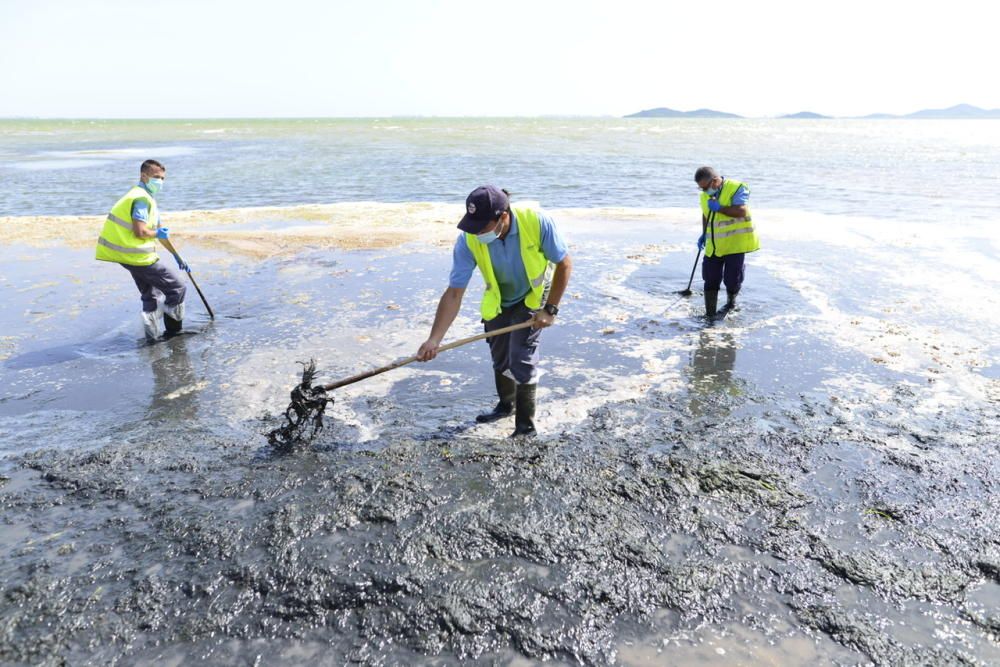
957, 112
664, 112
805, 114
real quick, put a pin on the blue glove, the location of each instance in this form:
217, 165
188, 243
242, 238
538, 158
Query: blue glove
162, 233
701, 242
714, 205
181, 264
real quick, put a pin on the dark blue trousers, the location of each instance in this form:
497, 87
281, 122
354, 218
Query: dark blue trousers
517, 351
154, 280
729, 269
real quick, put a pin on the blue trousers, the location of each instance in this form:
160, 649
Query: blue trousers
154, 280
729, 269
515, 353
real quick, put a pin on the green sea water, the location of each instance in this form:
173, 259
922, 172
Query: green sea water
926, 171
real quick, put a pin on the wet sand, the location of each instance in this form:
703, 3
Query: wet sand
813, 480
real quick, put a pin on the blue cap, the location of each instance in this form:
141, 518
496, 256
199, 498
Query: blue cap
483, 205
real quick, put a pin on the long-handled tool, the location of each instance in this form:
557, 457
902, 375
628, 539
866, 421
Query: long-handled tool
173, 251
304, 415
687, 291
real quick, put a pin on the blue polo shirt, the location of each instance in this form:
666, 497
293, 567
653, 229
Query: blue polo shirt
140, 209
505, 254
741, 196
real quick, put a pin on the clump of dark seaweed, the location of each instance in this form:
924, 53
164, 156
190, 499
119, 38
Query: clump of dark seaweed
304, 415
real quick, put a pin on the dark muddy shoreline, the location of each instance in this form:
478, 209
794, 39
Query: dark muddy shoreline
558, 549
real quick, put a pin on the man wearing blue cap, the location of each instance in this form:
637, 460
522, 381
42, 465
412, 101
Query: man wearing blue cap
514, 249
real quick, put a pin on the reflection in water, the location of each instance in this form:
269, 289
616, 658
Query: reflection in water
175, 385
711, 369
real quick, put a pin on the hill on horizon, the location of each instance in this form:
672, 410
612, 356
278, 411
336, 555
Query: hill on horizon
805, 114
664, 112
957, 112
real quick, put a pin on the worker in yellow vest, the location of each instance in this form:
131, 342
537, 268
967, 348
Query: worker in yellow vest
727, 234
128, 239
515, 250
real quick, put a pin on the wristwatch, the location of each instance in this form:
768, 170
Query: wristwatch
552, 309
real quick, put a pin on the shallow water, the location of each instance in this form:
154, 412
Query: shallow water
813, 479
906, 170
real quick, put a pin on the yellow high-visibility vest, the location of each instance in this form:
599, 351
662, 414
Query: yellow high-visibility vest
725, 235
118, 243
536, 265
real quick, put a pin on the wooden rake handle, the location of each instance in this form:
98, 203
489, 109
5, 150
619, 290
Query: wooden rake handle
409, 360
173, 251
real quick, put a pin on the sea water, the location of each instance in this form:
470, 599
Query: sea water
912, 170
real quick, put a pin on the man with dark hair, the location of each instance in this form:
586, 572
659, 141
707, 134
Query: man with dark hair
147, 167
514, 249
128, 239
727, 234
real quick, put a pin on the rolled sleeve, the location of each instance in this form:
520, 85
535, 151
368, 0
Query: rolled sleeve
741, 196
140, 210
462, 264
553, 246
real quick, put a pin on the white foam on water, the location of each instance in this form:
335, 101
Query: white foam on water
83, 158
44, 165
187, 389
891, 329
125, 153
934, 327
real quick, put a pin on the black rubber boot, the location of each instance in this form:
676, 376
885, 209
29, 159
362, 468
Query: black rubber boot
170, 325
524, 415
172, 318
711, 302
731, 299
506, 390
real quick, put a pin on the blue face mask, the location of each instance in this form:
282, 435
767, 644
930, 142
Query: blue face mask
154, 185
488, 237
711, 192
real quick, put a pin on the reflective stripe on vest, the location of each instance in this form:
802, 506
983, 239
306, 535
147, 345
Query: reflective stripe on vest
731, 222
536, 265
118, 221
118, 243
725, 235
132, 251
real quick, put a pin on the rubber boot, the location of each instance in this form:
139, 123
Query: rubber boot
173, 317
524, 415
506, 390
711, 302
151, 324
731, 299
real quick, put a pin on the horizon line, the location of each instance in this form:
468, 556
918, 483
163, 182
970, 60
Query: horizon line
872, 116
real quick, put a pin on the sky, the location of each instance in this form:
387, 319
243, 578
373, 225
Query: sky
313, 58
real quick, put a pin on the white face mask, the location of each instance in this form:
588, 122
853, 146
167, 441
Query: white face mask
489, 237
